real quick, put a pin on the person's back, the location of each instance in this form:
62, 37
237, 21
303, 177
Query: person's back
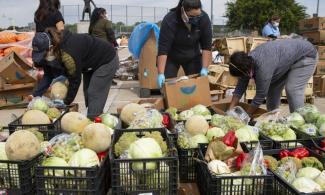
48, 15
99, 29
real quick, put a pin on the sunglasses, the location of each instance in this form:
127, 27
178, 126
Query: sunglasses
250, 75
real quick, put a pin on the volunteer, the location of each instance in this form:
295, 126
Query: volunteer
101, 27
271, 29
79, 54
274, 65
185, 40
47, 15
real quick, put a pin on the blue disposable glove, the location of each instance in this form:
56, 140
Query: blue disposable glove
59, 104
160, 80
204, 72
59, 79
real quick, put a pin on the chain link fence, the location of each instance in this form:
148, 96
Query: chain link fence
124, 17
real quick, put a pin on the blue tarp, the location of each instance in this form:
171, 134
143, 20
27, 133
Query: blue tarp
140, 35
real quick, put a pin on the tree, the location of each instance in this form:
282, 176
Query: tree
253, 14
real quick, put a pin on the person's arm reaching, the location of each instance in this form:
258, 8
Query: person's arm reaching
74, 83
206, 44
239, 91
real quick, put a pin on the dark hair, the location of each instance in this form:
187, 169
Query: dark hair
45, 8
243, 62
56, 39
95, 16
274, 17
188, 5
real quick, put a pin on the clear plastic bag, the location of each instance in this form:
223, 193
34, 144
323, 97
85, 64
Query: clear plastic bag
272, 116
254, 162
240, 113
35, 100
288, 171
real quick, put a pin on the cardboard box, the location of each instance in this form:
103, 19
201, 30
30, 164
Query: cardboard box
312, 24
321, 52
147, 63
14, 69
13, 96
219, 75
319, 86
253, 42
227, 46
320, 69
158, 103
222, 106
184, 94
316, 37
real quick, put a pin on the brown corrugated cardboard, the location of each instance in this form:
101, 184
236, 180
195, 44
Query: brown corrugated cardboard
316, 37
320, 69
321, 52
185, 94
319, 86
312, 24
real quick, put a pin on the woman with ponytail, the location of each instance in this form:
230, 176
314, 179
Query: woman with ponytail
274, 65
185, 40
79, 55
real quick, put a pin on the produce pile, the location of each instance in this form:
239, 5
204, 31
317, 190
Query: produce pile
142, 145
186, 114
303, 171
10, 41
308, 120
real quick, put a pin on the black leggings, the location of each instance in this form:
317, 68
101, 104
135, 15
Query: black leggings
193, 67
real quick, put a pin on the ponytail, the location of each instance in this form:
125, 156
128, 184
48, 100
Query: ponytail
56, 38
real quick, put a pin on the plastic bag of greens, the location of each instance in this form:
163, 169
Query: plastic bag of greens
288, 170
272, 116
240, 113
253, 163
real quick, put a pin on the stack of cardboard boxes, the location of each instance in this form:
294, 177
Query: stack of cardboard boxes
314, 30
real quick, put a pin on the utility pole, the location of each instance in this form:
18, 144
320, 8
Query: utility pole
212, 15
317, 11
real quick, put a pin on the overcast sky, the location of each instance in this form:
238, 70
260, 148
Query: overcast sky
20, 12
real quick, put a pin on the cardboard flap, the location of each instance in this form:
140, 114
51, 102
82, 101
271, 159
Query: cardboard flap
14, 69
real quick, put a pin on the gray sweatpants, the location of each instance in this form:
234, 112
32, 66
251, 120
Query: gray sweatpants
96, 86
294, 82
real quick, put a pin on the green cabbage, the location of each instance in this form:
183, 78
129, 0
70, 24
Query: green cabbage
216, 120
54, 162
320, 120
3, 155
295, 120
246, 134
186, 114
147, 119
289, 135
321, 130
173, 112
310, 129
40, 104
310, 113
321, 180
198, 139
308, 172
84, 158
202, 110
214, 132
144, 148
306, 185
109, 120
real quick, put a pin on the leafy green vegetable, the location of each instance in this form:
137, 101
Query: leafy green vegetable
246, 134
309, 112
156, 135
308, 128
271, 162
309, 172
186, 114
173, 112
306, 185
202, 110
295, 120
312, 162
124, 142
320, 120
214, 132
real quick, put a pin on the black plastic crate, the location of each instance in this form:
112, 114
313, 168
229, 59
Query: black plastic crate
187, 163
48, 130
73, 180
289, 143
318, 146
161, 180
266, 144
282, 187
303, 135
18, 177
211, 184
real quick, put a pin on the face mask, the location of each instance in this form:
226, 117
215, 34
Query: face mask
276, 24
195, 21
106, 15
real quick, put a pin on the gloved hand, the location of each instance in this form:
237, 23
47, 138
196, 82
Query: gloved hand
59, 104
59, 79
160, 80
204, 72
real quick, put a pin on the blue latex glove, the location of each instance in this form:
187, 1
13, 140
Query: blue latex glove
204, 72
59, 79
160, 80
59, 104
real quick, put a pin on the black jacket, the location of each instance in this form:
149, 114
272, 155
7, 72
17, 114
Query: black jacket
82, 53
180, 44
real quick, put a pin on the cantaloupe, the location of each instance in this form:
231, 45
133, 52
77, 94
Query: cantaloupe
22, 145
74, 122
129, 111
35, 117
97, 137
197, 125
59, 91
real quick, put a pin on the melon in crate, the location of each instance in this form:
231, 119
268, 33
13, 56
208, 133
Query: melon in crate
74, 122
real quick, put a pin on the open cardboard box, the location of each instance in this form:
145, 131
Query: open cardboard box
222, 106
184, 94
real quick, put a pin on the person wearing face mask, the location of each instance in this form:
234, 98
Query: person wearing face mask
79, 55
275, 65
185, 40
271, 29
101, 27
